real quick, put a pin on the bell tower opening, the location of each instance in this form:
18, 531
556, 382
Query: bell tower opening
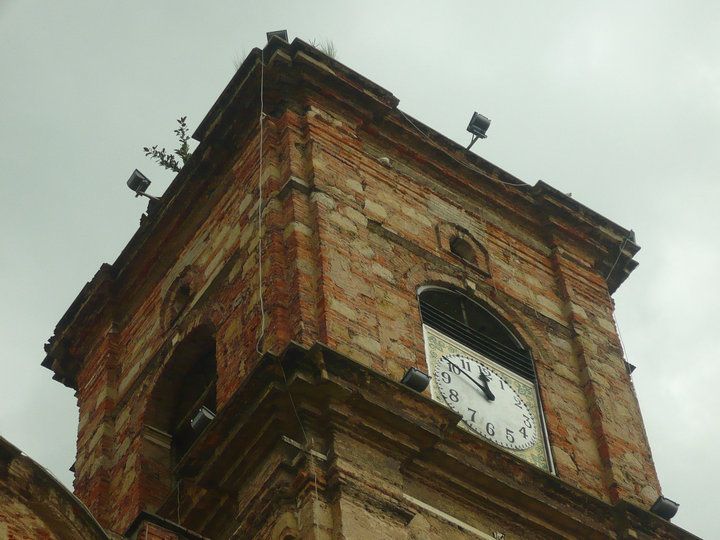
185, 386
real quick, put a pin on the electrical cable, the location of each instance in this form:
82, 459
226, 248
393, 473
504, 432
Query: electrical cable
622, 246
463, 163
622, 343
261, 333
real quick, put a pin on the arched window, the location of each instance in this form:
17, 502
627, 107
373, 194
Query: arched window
184, 391
467, 322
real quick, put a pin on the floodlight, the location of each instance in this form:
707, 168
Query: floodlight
415, 379
202, 418
478, 126
282, 34
664, 507
138, 182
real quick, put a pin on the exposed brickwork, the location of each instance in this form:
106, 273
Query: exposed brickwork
35, 506
358, 213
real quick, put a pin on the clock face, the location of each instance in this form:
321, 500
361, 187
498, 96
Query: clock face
486, 400
495, 403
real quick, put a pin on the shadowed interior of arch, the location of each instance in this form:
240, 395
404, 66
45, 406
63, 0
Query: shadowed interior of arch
462, 248
467, 322
185, 384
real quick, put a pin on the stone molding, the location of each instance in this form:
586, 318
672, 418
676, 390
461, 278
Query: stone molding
258, 430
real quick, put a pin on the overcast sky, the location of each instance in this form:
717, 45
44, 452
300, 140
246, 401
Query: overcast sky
616, 102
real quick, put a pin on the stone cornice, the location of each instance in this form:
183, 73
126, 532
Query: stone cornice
332, 394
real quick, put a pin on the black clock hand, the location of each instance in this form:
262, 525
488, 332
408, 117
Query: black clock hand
484, 387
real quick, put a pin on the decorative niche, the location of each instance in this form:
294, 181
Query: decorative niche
463, 247
179, 296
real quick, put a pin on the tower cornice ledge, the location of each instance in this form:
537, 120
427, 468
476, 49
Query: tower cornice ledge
312, 425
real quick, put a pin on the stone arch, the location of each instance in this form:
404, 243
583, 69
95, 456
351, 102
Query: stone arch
179, 296
523, 327
463, 246
473, 321
286, 527
185, 383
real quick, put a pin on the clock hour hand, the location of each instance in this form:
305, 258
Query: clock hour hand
484, 387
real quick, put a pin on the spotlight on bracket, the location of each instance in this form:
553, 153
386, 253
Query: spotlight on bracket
202, 418
416, 379
138, 182
664, 507
282, 34
478, 127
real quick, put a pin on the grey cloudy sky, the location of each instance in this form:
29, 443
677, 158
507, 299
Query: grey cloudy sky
616, 102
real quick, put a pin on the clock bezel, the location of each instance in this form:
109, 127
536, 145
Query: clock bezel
542, 445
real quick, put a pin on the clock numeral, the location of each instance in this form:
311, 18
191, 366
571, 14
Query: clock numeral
452, 367
509, 435
502, 386
518, 402
485, 371
446, 377
465, 364
523, 430
454, 396
474, 412
490, 429
526, 420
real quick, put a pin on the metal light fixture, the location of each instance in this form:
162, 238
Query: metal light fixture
416, 379
478, 126
138, 182
202, 418
282, 34
664, 507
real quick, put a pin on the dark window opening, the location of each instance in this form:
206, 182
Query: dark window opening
463, 249
197, 390
468, 323
181, 300
186, 384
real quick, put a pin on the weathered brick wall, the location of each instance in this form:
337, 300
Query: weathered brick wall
219, 262
35, 506
96, 395
347, 242
377, 232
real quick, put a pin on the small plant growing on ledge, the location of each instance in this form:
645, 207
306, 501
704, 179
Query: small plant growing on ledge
327, 47
169, 160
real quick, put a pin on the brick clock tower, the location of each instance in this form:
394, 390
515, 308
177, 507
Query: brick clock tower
239, 369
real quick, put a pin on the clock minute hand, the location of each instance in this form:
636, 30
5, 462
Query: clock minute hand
484, 387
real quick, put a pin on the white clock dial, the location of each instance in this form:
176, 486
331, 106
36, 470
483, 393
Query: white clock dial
487, 402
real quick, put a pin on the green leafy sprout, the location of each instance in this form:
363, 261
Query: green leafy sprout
178, 158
